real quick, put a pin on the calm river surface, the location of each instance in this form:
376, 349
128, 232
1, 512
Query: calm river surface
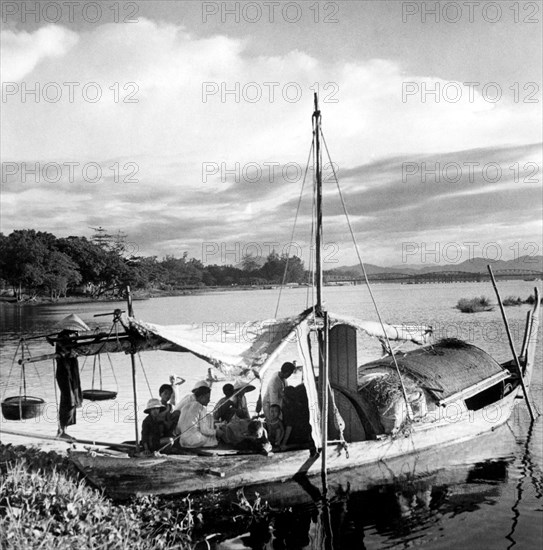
491, 498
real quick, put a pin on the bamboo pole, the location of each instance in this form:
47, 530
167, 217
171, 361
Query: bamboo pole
511, 345
134, 377
122, 446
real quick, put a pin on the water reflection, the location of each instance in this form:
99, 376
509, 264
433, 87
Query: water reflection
397, 513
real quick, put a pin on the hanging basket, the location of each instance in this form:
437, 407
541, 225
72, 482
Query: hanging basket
99, 395
22, 407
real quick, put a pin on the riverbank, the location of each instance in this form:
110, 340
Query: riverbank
45, 502
137, 296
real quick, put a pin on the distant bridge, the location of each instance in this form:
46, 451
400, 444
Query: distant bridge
434, 277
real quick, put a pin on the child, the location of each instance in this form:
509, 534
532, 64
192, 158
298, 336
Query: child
275, 427
168, 416
152, 429
256, 439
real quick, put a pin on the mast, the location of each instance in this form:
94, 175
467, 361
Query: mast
318, 180
322, 334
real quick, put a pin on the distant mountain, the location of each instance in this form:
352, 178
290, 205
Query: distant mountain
476, 265
371, 270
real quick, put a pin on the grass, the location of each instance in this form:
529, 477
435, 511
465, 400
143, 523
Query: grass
45, 503
531, 300
512, 301
474, 305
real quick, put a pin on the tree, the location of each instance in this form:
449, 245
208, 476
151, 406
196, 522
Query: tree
60, 273
24, 254
249, 263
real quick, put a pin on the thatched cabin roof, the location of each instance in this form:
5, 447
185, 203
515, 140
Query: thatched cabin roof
444, 369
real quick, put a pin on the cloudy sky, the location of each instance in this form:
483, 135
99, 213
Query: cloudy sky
187, 125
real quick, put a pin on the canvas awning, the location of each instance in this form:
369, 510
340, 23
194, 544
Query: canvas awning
237, 348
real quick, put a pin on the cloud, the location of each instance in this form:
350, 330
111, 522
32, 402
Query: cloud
23, 51
173, 103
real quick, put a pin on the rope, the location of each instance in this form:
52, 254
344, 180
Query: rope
93, 370
404, 392
145, 374
11, 369
54, 385
312, 264
34, 365
113, 371
293, 230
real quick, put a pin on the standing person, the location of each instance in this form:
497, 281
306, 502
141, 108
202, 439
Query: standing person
275, 390
195, 425
275, 427
69, 383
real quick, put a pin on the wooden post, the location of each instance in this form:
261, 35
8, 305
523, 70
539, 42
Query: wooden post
511, 345
134, 378
324, 402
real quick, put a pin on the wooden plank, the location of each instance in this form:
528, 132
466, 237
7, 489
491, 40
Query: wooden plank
343, 375
477, 388
123, 446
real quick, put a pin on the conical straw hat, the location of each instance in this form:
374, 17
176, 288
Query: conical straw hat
72, 322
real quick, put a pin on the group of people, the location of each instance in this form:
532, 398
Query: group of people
188, 422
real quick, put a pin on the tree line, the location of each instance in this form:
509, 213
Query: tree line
35, 263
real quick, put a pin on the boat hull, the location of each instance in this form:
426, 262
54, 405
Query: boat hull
292, 472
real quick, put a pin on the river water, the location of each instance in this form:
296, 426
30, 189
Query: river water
488, 494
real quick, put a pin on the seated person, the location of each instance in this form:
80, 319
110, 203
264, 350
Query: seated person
195, 425
296, 418
274, 426
234, 402
239, 399
181, 402
256, 439
152, 429
169, 417
225, 409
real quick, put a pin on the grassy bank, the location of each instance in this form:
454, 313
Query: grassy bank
45, 503
474, 305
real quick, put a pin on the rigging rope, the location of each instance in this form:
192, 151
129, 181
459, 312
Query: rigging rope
145, 374
11, 369
404, 392
293, 230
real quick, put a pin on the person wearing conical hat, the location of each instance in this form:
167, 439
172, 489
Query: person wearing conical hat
152, 429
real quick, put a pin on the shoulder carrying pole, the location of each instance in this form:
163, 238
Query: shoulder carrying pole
512, 345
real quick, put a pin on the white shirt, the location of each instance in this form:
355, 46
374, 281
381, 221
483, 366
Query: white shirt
196, 426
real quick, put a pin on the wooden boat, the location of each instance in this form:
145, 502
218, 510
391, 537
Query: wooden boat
367, 421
